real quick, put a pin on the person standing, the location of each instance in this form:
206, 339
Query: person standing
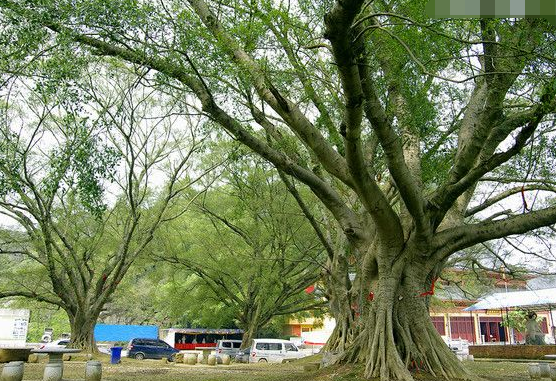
533, 332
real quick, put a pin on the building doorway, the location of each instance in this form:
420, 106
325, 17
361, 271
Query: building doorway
492, 330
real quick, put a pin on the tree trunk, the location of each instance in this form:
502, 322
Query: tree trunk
250, 332
395, 335
82, 330
251, 322
343, 309
343, 333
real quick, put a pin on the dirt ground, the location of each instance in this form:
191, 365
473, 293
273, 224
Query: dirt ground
153, 370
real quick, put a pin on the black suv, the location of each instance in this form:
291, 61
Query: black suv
151, 349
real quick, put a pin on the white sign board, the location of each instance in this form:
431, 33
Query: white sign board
13, 327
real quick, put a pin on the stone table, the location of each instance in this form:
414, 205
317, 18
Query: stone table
8, 354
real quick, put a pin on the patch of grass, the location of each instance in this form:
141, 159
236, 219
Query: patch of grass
491, 371
500, 371
156, 370
341, 373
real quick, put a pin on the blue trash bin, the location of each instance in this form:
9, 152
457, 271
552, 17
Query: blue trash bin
116, 355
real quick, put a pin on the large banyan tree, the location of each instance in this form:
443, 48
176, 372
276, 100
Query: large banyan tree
398, 123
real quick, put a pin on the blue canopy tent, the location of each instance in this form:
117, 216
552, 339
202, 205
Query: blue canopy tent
109, 332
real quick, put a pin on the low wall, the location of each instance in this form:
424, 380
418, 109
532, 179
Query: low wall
532, 352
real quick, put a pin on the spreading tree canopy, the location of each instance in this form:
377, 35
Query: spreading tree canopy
246, 245
76, 197
395, 122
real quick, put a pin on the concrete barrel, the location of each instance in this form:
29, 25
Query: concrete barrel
226, 359
93, 371
534, 371
179, 358
545, 369
211, 360
553, 373
13, 371
191, 359
200, 358
53, 371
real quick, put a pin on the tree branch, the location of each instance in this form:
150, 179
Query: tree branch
449, 241
446, 195
501, 196
338, 25
32, 295
332, 161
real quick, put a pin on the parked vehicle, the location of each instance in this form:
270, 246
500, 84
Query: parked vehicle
140, 349
274, 350
60, 343
227, 347
243, 355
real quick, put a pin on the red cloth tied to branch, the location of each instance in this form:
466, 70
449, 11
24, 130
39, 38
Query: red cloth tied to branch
431, 291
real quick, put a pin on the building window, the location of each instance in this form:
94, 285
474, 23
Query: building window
462, 327
438, 322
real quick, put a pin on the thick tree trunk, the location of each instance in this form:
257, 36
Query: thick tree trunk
251, 326
250, 332
82, 330
395, 335
342, 307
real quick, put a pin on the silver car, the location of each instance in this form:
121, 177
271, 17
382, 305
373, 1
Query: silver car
243, 355
227, 347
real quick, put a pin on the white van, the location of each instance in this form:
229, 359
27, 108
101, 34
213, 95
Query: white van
274, 350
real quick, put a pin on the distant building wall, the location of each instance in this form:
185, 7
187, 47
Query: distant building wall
481, 327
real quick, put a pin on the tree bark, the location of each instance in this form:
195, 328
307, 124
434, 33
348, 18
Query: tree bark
393, 334
251, 324
339, 294
82, 323
344, 331
248, 335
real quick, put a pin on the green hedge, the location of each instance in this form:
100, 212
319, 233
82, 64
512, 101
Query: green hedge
533, 352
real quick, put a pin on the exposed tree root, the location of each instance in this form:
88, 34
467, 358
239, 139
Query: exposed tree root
395, 337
